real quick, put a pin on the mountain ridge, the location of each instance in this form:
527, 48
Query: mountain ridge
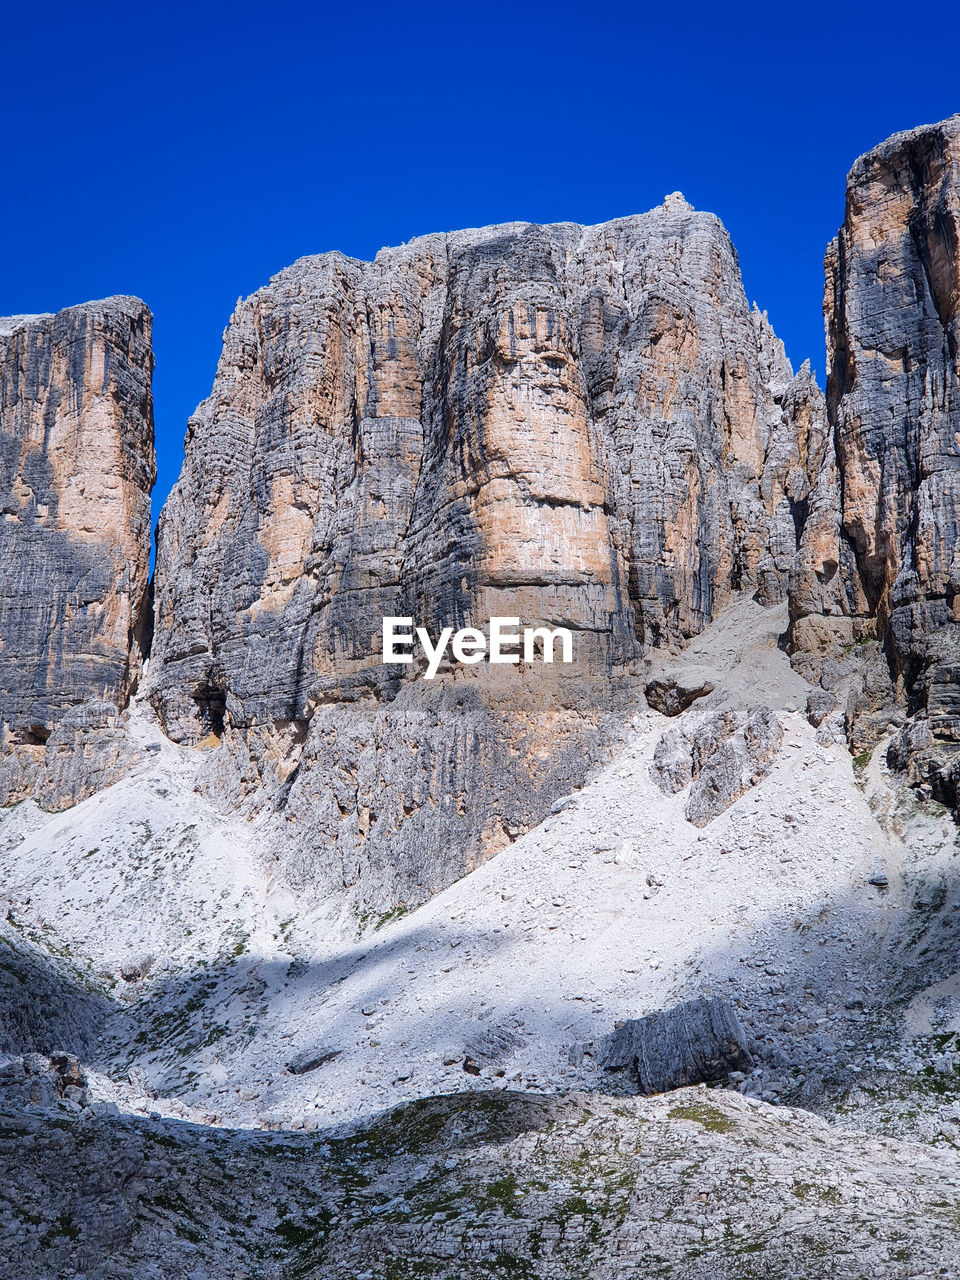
275, 915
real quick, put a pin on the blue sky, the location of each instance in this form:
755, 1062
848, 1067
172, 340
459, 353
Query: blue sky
187, 152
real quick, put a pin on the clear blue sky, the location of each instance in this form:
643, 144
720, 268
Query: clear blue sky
187, 152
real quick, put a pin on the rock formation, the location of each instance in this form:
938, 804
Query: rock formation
673, 691
34, 1080
719, 756
583, 427
693, 1043
877, 587
76, 470
574, 426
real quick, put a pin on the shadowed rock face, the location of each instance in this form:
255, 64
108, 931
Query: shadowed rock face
879, 558
575, 426
76, 470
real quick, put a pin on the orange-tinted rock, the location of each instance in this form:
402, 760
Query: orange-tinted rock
880, 560
76, 470
585, 427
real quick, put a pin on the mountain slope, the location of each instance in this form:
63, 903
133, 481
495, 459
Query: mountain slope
820, 901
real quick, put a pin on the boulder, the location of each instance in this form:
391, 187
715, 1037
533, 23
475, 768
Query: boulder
718, 757
310, 1059
693, 1043
673, 691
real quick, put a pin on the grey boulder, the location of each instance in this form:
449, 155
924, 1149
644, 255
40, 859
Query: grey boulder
697, 1042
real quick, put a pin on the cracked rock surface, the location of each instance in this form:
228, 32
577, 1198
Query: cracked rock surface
876, 593
76, 471
577, 426
692, 1184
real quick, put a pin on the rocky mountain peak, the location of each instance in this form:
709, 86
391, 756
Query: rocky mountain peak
574, 426
446, 919
873, 600
76, 471
675, 203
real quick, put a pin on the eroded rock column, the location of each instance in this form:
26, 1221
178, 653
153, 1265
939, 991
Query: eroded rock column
76, 471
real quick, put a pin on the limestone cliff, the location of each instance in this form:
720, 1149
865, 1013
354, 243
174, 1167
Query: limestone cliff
76, 470
879, 568
579, 426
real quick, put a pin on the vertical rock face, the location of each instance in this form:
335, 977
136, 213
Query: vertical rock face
880, 560
584, 427
76, 470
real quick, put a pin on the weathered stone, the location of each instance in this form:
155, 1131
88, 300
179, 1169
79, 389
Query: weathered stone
310, 1060
36, 1080
880, 559
575, 426
86, 751
719, 756
693, 1043
820, 705
674, 691
76, 470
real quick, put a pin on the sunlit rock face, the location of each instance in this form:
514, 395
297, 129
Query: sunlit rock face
576, 426
76, 471
879, 566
